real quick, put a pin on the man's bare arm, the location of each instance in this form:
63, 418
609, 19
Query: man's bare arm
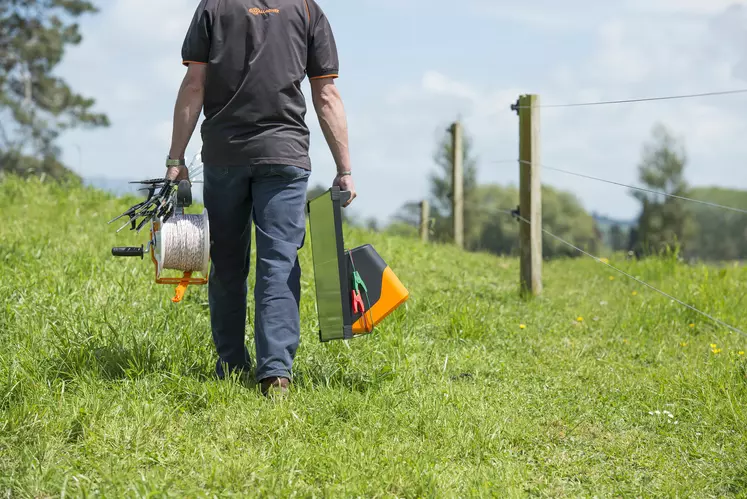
187, 110
331, 113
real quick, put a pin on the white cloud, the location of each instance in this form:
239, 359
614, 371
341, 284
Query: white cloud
729, 31
575, 14
698, 7
438, 84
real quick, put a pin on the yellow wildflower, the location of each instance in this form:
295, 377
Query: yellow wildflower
713, 345
692, 326
612, 278
635, 293
580, 319
604, 260
741, 352
716, 350
522, 326
684, 344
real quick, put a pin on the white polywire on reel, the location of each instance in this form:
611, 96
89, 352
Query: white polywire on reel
185, 244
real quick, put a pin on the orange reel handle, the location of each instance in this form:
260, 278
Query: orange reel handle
181, 289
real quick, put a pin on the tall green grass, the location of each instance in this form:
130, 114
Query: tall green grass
106, 387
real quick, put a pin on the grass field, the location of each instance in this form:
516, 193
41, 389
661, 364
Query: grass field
600, 388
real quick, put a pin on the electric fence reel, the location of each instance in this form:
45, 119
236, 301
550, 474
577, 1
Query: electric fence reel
178, 241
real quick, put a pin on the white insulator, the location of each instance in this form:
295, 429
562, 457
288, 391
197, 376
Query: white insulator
185, 244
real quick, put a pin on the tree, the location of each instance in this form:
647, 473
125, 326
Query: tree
498, 233
664, 223
720, 234
617, 238
564, 215
442, 192
634, 242
408, 214
373, 225
36, 106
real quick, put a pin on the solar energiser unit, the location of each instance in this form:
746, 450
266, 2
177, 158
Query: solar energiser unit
355, 288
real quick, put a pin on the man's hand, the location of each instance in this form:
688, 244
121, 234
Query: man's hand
177, 174
346, 183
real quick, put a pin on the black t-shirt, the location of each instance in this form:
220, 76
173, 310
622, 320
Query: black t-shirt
258, 52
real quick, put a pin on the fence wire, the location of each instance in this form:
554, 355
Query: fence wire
641, 189
644, 99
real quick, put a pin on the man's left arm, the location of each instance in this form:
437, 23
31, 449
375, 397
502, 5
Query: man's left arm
187, 111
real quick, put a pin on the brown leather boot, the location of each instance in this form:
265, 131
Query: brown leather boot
274, 386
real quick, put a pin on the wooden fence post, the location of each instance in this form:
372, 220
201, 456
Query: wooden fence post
458, 183
530, 192
425, 219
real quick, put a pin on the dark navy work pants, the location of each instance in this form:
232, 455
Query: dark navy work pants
273, 197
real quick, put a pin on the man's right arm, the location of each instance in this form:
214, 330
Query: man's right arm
322, 67
331, 113
333, 122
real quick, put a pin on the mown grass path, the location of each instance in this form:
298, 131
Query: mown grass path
598, 388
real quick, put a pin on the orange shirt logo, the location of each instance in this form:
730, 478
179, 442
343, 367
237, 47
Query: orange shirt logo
258, 12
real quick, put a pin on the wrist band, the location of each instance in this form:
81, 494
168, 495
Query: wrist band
344, 174
175, 162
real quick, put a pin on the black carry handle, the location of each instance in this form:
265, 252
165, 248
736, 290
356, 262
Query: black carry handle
341, 196
184, 194
345, 197
129, 252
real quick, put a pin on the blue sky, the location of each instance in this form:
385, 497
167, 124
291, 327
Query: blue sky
409, 68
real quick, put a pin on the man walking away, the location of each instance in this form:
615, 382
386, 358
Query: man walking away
245, 62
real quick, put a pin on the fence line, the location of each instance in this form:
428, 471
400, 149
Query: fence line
620, 271
515, 107
642, 189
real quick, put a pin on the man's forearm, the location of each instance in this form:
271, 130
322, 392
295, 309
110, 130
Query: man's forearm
186, 114
333, 123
